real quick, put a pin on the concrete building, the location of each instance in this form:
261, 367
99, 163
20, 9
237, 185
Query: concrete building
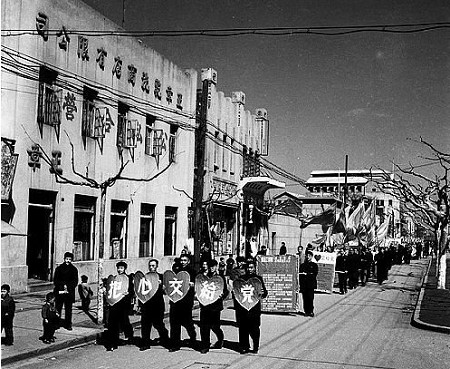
97, 140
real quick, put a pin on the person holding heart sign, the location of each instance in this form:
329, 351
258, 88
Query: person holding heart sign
152, 311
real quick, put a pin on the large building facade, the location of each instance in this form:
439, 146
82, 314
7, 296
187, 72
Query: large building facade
98, 137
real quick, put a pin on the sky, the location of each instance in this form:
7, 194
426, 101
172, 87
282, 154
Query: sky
366, 95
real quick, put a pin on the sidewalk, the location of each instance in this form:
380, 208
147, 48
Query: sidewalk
432, 312
433, 306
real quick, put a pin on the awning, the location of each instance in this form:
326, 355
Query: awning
9, 230
259, 185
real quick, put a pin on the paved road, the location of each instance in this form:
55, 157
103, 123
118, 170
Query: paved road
367, 328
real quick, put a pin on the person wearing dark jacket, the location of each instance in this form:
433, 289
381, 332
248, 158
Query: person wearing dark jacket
50, 319
66, 281
152, 313
341, 270
180, 312
353, 265
308, 283
8, 310
210, 314
118, 318
249, 321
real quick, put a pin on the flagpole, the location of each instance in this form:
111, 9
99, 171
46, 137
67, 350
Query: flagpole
345, 182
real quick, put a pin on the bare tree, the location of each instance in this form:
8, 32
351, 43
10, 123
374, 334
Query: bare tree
76, 178
425, 197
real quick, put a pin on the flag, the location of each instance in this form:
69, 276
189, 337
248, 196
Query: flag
339, 225
325, 218
383, 229
354, 220
368, 218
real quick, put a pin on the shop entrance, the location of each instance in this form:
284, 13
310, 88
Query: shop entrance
40, 234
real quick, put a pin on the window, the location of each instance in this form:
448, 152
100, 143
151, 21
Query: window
118, 231
172, 143
83, 227
49, 99
126, 128
170, 231
149, 131
93, 118
146, 232
390, 202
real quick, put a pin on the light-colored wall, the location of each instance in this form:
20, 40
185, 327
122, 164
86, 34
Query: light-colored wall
19, 112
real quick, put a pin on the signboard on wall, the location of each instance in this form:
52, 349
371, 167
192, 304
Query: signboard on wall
280, 275
261, 118
326, 261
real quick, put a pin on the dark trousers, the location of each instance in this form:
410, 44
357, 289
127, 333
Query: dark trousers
49, 329
119, 320
363, 276
210, 321
308, 301
353, 278
66, 300
342, 277
181, 315
153, 315
7, 325
85, 303
249, 323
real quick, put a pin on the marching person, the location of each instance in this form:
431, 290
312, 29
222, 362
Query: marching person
152, 313
341, 270
249, 321
66, 281
118, 318
210, 314
180, 312
308, 283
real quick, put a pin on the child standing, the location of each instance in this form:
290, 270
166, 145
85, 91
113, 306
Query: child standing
50, 319
8, 310
85, 293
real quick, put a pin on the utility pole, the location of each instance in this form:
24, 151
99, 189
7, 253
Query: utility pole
345, 182
199, 176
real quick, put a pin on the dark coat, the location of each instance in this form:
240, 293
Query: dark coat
341, 263
8, 307
308, 281
66, 275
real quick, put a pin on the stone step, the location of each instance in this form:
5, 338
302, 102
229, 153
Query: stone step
36, 285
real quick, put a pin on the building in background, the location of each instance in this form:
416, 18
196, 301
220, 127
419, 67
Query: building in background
81, 113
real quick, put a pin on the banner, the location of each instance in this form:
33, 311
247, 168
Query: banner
280, 276
326, 261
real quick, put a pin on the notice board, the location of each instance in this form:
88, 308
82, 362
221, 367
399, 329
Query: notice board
280, 275
326, 261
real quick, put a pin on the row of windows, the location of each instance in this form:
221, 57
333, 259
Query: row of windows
96, 119
84, 229
334, 189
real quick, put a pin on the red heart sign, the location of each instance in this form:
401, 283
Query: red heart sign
116, 288
317, 257
247, 293
146, 285
208, 290
177, 286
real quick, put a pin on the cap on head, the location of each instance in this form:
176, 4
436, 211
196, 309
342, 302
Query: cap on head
121, 263
309, 252
212, 263
68, 255
6, 287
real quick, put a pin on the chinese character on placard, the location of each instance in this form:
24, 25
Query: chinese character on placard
34, 157
42, 25
169, 95
69, 105
101, 55
132, 74
83, 48
207, 291
138, 132
117, 68
176, 285
65, 38
145, 86
55, 167
108, 121
157, 91
180, 101
247, 292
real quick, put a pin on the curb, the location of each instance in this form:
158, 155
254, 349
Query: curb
415, 320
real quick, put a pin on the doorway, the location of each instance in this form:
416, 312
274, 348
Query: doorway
40, 234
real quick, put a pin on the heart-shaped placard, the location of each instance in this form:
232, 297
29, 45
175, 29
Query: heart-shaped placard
116, 288
247, 293
177, 286
317, 257
208, 290
146, 285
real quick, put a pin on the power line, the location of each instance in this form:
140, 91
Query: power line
264, 31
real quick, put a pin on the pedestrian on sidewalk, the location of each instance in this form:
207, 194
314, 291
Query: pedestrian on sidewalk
152, 313
118, 318
283, 249
66, 281
180, 312
85, 292
50, 319
210, 314
308, 283
8, 310
249, 321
